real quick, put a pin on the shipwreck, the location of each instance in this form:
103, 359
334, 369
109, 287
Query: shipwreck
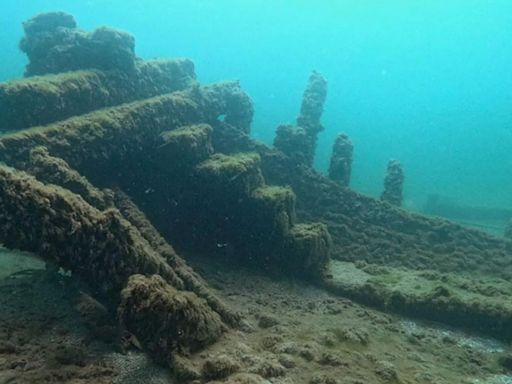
115, 168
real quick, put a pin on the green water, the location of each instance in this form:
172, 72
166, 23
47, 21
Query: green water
426, 82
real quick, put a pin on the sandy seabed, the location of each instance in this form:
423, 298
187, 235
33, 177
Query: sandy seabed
51, 331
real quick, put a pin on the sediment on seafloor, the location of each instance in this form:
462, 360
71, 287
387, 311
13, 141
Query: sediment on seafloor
477, 302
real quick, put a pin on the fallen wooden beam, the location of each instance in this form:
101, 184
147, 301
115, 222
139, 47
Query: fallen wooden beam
42, 100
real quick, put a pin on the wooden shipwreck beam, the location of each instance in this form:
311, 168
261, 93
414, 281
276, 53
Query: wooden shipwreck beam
42, 100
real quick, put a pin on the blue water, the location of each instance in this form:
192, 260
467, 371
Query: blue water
427, 82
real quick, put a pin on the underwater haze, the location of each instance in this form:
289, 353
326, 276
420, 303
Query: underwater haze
426, 82
146, 238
